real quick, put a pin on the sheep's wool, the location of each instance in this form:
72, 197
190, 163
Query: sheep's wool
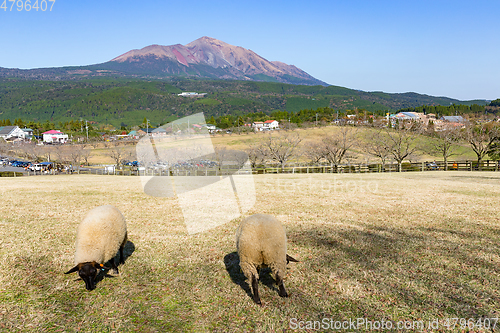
261, 241
100, 235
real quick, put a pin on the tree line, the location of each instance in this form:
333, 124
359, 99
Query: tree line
383, 143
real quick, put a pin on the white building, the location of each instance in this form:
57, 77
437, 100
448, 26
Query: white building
191, 94
11, 133
53, 136
257, 125
271, 124
265, 126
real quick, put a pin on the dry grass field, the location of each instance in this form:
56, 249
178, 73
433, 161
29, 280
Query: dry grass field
100, 154
410, 248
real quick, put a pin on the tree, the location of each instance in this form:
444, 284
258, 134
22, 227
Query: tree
116, 153
445, 144
255, 155
496, 102
75, 153
280, 147
398, 143
86, 152
494, 151
314, 151
336, 145
481, 137
377, 145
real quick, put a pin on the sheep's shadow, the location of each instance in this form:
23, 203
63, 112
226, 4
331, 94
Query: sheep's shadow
232, 262
128, 249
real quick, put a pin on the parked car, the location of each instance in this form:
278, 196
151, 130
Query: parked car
433, 166
133, 163
35, 167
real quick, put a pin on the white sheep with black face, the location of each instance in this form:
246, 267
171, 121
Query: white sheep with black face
100, 236
261, 242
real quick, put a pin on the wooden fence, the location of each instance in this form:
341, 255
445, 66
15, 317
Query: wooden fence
345, 168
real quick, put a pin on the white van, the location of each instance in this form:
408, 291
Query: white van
35, 167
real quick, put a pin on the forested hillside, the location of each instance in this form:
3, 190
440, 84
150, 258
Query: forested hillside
123, 102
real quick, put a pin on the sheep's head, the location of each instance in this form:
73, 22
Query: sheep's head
88, 272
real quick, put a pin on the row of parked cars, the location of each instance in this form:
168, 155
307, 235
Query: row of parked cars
4, 161
14, 163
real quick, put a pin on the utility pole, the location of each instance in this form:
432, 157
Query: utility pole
147, 127
87, 128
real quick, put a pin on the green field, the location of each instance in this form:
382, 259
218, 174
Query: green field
404, 247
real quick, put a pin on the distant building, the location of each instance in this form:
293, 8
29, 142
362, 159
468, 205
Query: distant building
159, 132
191, 94
453, 119
12, 133
265, 125
450, 122
271, 124
210, 127
133, 134
54, 136
28, 133
257, 125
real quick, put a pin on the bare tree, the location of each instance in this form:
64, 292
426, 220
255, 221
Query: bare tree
336, 145
116, 153
221, 154
446, 144
239, 157
75, 153
481, 137
377, 145
314, 151
86, 152
4, 147
29, 151
399, 144
61, 154
255, 155
48, 151
281, 147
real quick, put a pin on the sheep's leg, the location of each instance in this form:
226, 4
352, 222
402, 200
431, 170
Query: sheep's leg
122, 258
281, 286
255, 288
113, 265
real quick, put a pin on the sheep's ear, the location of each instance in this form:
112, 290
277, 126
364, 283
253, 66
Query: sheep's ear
288, 259
74, 269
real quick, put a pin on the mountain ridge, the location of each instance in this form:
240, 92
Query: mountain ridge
203, 58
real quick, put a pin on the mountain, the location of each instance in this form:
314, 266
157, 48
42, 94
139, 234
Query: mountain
205, 58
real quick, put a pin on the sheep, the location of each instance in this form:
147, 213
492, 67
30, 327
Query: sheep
101, 234
261, 242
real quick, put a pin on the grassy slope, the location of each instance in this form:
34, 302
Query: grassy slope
368, 248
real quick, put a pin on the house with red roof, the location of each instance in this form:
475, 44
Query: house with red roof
54, 136
265, 126
271, 125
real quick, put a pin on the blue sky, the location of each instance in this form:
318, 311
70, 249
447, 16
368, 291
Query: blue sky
439, 48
